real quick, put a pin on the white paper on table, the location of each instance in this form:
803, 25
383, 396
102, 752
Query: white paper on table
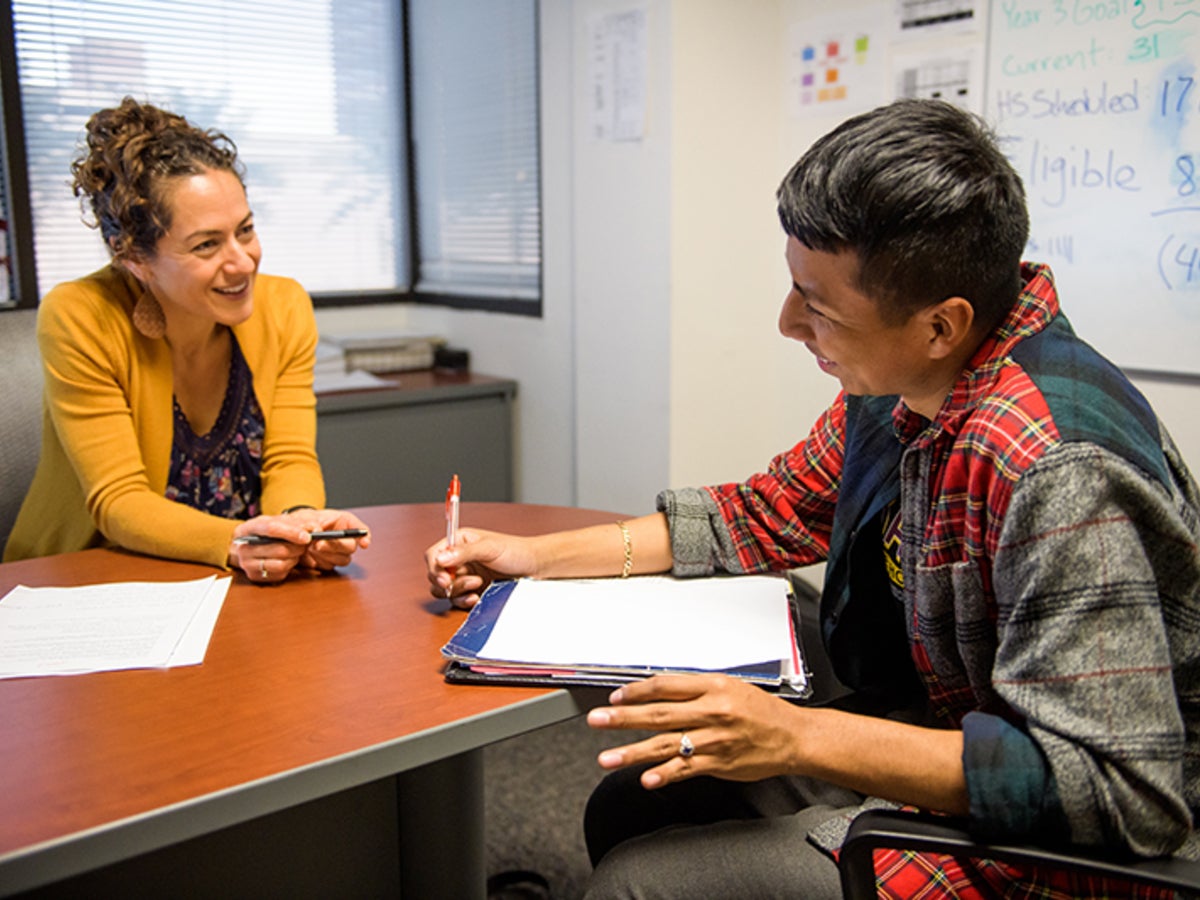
193, 643
101, 627
702, 623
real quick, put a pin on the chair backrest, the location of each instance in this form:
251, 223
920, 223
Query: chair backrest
20, 412
878, 829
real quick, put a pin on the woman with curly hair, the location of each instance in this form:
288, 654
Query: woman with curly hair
179, 411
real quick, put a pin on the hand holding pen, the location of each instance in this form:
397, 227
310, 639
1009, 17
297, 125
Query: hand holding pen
467, 561
268, 548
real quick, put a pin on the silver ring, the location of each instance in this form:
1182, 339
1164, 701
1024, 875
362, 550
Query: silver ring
262, 569
686, 747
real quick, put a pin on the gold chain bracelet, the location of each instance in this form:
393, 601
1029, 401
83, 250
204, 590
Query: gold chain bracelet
628, 542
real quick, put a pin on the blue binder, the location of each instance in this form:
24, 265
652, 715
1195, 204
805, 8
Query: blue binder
788, 678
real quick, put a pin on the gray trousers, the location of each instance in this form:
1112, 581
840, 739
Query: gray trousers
712, 839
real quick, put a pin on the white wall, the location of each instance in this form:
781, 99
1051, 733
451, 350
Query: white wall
621, 286
1178, 405
658, 362
740, 391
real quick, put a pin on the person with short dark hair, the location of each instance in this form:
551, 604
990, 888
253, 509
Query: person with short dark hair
1012, 569
179, 410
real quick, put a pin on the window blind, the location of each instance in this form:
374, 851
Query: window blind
474, 109
309, 90
312, 92
310, 99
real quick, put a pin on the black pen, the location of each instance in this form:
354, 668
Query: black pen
315, 535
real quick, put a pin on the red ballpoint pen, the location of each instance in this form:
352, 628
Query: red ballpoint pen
452, 493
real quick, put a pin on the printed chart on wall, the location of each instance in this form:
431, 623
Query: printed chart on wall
953, 73
1098, 105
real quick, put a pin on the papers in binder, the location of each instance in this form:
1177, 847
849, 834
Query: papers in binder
610, 631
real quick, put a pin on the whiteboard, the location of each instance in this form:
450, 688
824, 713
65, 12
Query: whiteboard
1097, 104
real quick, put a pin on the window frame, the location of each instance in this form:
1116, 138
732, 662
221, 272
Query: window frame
15, 171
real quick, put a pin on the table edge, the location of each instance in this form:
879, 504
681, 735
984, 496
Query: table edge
37, 865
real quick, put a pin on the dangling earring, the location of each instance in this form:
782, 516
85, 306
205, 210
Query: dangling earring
148, 316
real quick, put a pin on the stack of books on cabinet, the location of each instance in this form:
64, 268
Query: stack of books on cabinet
381, 353
353, 362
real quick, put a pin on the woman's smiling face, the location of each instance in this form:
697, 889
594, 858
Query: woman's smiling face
204, 266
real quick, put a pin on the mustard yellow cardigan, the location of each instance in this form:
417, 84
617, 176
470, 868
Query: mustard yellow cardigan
107, 423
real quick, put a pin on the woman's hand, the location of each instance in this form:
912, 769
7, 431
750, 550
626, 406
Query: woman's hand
271, 563
326, 555
736, 731
478, 558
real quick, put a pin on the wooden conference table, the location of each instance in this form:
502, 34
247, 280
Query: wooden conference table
319, 709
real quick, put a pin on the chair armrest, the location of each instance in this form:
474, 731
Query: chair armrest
897, 830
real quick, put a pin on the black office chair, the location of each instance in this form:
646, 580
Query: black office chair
879, 829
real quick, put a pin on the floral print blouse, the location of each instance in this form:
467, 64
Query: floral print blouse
221, 472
